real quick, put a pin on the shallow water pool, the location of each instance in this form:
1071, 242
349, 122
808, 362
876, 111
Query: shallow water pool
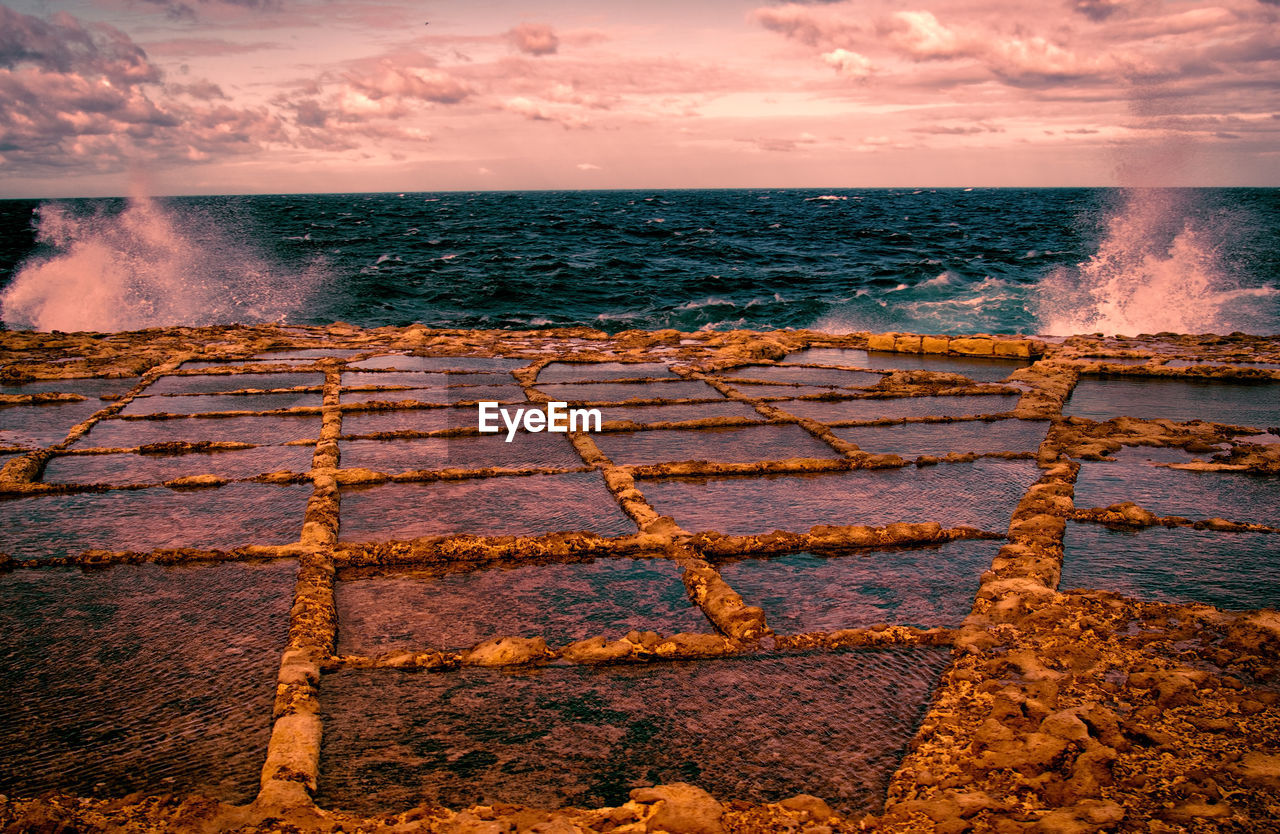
758, 729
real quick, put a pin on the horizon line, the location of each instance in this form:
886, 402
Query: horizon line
665, 189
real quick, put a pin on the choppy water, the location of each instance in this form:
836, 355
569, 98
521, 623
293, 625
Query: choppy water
948, 261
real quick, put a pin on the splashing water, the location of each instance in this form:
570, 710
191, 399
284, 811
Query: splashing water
1155, 270
148, 265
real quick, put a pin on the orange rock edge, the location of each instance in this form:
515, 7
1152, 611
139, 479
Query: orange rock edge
1074, 711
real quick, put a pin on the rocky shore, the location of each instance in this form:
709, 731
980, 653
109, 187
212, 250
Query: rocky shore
1063, 710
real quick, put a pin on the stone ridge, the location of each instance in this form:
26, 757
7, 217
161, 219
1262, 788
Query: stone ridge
1061, 711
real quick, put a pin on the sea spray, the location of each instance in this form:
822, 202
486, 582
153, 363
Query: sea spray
1156, 269
146, 265
972, 261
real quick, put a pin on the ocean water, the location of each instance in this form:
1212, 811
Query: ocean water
1051, 261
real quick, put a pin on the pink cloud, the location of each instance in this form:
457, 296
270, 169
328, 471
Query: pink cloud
399, 82
922, 37
63, 44
534, 39
820, 25
200, 89
544, 112
1121, 42
958, 130
76, 95
849, 64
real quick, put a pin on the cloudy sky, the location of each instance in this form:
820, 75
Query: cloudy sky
243, 96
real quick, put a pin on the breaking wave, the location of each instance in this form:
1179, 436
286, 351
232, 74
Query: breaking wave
146, 265
1156, 270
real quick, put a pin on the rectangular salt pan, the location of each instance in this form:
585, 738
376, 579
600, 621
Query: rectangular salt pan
808, 376
407, 419
210, 403
131, 468
758, 729
503, 506
469, 452
1237, 496
848, 358
578, 371
458, 605
726, 445
806, 592
401, 362
977, 368
684, 389
646, 414
898, 408
463, 393
140, 678
91, 387
44, 425
980, 494
1233, 571
221, 383
126, 434
394, 378
914, 439
1179, 400
149, 519
416, 379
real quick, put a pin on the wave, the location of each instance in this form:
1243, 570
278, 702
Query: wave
989, 305
1155, 270
146, 265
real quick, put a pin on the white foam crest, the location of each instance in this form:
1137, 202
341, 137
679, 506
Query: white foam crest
1155, 271
146, 266
712, 301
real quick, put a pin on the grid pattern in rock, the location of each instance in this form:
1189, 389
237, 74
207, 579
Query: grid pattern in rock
364, 463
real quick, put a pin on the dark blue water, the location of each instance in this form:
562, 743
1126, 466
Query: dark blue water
947, 261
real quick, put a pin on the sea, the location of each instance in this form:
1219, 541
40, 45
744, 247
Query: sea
947, 261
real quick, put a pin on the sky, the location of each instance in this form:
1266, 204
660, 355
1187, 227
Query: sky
98, 97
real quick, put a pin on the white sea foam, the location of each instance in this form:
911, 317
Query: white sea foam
145, 266
712, 301
1155, 270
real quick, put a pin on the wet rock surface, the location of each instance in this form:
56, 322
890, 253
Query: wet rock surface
1107, 704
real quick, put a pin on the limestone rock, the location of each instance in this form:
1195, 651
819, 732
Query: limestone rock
1260, 769
1083, 818
933, 344
681, 808
469, 823
975, 346
693, 646
815, 808
507, 651
596, 650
